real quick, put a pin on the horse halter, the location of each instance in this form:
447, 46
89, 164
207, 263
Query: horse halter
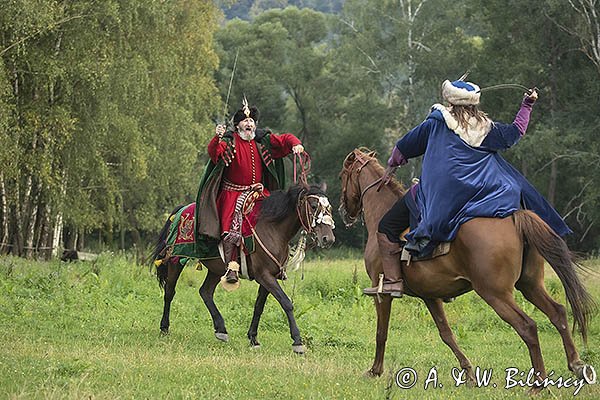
321, 215
362, 160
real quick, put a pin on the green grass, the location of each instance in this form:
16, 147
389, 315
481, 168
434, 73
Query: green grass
90, 330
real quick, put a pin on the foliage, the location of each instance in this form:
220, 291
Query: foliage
249, 9
110, 101
105, 107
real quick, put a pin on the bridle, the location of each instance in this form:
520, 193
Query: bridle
361, 158
321, 215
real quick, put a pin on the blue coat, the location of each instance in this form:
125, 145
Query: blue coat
460, 182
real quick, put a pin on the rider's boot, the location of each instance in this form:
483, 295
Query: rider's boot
230, 252
390, 257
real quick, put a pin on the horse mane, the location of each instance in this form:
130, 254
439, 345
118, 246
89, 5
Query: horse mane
281, 202
396, 186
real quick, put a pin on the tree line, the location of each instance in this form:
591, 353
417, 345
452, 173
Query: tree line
106, 108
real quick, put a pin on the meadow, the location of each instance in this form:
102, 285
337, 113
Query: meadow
91, 330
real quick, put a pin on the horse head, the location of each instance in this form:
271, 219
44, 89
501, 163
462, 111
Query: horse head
314, 213
351, 198
355, 185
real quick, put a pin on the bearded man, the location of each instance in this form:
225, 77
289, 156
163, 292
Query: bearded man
245, 165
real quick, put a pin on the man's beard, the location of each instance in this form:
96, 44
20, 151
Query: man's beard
247, 135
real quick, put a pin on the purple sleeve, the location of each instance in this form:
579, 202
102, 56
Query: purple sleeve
522, 118
396, 159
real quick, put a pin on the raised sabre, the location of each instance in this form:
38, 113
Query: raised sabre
224, 119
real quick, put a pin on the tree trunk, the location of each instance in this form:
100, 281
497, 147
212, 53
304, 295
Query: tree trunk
80, 240
39, 224
4, 211
45, 240
57, 235
70, 237
17, 241
30, 230
552, 183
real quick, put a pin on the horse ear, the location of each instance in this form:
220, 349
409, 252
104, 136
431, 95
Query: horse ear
323, 187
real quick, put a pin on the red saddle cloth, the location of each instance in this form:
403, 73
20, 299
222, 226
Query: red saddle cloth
182, 242
185, 227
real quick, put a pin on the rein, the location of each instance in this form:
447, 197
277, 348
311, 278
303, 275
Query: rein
303, 160
372, 184
271, 256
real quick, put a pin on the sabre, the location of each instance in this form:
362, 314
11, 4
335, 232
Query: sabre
230, 84
508, 86
501, 86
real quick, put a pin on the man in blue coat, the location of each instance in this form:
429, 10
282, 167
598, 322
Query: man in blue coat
463, 177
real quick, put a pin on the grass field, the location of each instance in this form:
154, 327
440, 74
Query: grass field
91, 330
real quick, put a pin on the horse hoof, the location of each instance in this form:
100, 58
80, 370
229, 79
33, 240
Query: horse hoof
256, 346
371, 374
223, 337
589, 374
299, 348
164, 332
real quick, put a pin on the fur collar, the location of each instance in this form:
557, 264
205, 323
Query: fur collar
474, 134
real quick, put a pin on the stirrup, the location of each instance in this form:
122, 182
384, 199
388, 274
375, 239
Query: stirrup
231, 276
228, 285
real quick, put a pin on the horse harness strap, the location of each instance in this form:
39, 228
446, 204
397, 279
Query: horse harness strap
282, 275
372, 184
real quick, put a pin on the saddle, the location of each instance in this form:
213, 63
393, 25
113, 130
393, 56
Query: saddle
441, 249
427, 250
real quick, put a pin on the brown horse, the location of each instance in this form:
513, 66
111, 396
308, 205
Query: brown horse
511, 250
282, 215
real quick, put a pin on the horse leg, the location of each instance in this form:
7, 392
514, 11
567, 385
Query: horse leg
557, 314
436, 309
272, 286
505, 306
383, 309
207, 291
259, 306
173, 271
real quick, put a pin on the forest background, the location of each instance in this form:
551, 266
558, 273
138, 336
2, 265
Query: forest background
106, 107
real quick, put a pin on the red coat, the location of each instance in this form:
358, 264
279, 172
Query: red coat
245, 169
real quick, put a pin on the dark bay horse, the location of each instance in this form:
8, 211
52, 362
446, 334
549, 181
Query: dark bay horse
282, 215
491, 256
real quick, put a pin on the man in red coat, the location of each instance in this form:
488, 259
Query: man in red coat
247, 155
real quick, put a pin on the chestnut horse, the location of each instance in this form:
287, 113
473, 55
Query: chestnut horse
511, 250
281, 217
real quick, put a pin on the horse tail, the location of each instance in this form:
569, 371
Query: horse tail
554, 249
159, 248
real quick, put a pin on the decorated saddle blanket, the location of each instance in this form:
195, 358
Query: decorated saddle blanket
181, 241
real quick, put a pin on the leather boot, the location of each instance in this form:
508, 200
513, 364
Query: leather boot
230, 253
390, 257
